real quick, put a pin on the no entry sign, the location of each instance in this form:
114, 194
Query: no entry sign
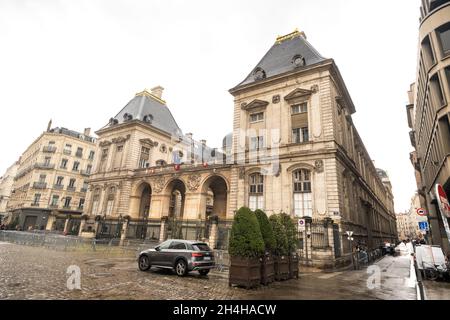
421, 212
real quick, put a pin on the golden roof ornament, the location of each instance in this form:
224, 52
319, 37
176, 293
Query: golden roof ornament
291, 35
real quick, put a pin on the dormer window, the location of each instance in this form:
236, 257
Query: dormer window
127, 117
259, 74
113, 121
298, 61
148, 118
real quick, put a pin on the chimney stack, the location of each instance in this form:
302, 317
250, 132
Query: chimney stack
87, 131
157, 91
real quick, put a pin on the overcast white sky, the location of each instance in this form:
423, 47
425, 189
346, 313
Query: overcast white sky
79, 62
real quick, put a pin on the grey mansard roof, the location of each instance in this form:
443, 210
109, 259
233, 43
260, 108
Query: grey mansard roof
150, 109
280, 58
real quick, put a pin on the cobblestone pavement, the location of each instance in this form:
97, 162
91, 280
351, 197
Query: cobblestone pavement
39, 273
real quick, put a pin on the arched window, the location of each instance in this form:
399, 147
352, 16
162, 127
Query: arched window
110, 201
302, 193
256, 191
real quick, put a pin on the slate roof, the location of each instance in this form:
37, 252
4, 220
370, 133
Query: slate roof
145, 104
280, 58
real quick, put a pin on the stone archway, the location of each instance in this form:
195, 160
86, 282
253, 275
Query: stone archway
140, 201
177, 195
214, 197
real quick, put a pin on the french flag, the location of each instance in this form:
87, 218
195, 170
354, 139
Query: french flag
176, 160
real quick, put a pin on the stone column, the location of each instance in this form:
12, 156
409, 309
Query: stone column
123, 234
162, 233
66, 225
82, 224
213, 232
308, 239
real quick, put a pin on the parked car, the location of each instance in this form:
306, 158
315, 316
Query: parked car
180, 255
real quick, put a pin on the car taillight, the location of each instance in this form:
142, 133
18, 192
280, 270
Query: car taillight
195, 254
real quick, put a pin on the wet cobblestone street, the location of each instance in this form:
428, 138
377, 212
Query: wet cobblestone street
40, 273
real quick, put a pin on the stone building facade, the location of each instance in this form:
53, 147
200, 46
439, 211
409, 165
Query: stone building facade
49, 190
294, 149
6, 184
429, 113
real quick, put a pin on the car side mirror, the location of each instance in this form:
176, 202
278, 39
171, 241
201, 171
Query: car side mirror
157, 248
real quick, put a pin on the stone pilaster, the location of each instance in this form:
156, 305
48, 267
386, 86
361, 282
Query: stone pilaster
213, 232
162, 233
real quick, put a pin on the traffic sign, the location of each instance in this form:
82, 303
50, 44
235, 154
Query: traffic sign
421, 212
423, 225
301, 225
349, 233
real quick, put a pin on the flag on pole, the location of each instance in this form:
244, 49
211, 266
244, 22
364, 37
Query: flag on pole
176, 160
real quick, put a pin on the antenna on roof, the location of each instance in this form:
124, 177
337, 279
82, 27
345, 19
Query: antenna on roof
49, 126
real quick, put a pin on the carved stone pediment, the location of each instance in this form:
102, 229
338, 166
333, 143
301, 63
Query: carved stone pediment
105, 143
298, 93
255, 104
120, 139
148, 142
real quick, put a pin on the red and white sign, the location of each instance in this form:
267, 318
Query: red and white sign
421, 212
442, 200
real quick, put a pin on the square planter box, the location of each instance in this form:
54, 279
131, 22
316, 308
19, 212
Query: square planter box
245, 272
281, 268
267, 270
293, 266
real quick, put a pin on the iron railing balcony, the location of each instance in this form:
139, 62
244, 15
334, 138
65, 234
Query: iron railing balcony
45, 166
49, 149
66, 207
83, 190
79, 154
53, 206
67, 152
71, 189
39, 185
58, 186
35, 204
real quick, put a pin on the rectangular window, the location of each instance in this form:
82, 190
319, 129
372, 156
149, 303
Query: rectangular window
81, 204
256, 202
64, 163
42, 178
427, 53
144, 158
67, 149
55, 200
303, 204
300, 135
91, 155
67, 201
299, 108
76, 165
256, 117
444, 37
109, 207
79, 152
118, 157
37, 199
72, 183
105, 154
47, 161
256, 143
436, 91
59, 181
89, 169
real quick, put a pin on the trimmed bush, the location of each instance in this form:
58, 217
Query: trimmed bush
279, 231
246, 239
266, 230
291, 232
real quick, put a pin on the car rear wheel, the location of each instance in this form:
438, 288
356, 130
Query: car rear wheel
181, 268
203, 272
144, 263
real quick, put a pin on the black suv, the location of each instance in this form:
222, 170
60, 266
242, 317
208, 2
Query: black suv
180, 255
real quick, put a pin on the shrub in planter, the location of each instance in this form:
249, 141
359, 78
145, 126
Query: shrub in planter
267, 263
281, 260
246, 246
291, 234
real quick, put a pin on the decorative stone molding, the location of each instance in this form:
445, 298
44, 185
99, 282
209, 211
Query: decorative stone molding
276, 99
159, 184
318, 165
193, 182
105, 143
148, 142
314, 88
255, 104
298, 93
242, 173
120, 139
